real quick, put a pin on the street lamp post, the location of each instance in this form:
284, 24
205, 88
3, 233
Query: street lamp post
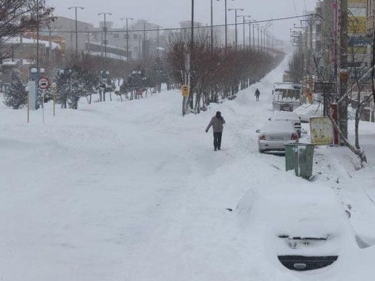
76, 22
235, 20
254, 25
250, 21
127, 37
226, 25
243, 29
212, 26
105, 32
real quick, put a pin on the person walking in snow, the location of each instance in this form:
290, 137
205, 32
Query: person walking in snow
217, 126
257, 94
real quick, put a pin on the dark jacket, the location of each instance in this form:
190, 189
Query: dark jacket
216, 123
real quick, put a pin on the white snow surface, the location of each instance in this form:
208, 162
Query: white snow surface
134, 191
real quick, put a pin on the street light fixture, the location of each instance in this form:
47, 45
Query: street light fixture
127, 37
105, 32
226, 26
235, 17
75, 12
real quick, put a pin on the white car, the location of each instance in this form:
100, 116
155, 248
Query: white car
306, 111
288, 116
275, 135
302, 225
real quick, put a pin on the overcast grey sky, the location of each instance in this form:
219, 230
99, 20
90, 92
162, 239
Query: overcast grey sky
168, 13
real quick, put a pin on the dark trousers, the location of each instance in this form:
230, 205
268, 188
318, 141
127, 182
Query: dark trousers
217, 139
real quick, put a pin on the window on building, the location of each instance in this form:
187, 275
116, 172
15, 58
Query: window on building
135, 36
116, 36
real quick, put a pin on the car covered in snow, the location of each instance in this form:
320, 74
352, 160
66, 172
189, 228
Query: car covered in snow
275, 135
303, 226
288, 116
307, 111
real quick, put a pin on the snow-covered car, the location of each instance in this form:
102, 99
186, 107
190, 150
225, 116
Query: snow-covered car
275, 135
303, 226
306, 111
288, 116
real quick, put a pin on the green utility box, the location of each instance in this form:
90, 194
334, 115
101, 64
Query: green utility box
299, 156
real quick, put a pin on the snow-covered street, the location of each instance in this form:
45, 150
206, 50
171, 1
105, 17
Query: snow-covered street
134, 191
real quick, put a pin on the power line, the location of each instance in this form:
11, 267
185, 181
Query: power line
185, 28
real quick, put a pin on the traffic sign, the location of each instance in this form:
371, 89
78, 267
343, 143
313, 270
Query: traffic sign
43, 83
185, 90
325, 87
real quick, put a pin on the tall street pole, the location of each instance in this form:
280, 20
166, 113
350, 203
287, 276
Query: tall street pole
37, 37
343, 74
76, 21
127, 37
158, 40
226, 25
144, 44
244, 29
212, 26
105, 32
235, 20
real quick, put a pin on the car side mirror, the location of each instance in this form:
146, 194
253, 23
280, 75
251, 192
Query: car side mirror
269, 119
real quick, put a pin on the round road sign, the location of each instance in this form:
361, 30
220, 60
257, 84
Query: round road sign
43, 82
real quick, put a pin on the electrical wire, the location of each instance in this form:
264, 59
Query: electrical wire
181, 28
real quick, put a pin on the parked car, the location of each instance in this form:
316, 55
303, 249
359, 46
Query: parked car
306, 111
288, 116
303, 226
275, 135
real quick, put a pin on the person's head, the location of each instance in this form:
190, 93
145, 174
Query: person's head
218, 114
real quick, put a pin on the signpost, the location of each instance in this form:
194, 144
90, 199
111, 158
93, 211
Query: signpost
43, 84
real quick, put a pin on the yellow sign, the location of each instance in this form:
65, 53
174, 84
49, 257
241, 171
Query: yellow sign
321, 131
185, 90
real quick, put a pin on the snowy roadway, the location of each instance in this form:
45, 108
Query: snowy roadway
134, 191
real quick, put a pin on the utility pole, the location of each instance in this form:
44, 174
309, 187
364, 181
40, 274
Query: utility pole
343, 74
127, 37
76, 22
158, 41
105, 32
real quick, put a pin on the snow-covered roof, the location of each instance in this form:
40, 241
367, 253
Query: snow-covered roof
109, 55
17, 40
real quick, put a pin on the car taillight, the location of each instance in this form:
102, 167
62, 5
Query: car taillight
294, 137
262, 137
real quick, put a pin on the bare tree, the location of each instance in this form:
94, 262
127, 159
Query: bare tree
17, 16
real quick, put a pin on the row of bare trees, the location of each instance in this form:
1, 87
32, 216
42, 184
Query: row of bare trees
18, 16
215, 73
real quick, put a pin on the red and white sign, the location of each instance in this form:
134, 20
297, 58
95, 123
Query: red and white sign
43, 83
